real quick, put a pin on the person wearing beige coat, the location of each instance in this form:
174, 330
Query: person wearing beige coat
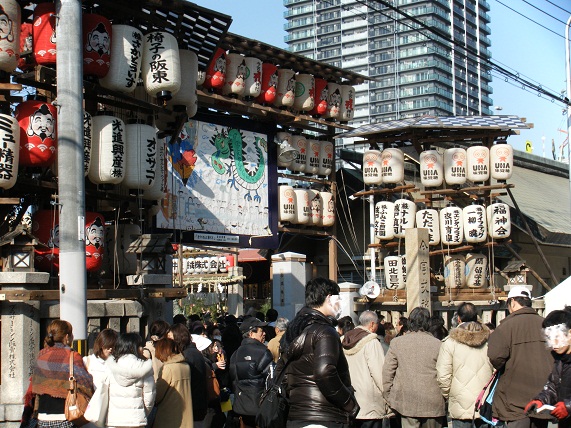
463, 367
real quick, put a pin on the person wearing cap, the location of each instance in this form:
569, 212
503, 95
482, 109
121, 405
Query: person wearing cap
518, 349
249, 367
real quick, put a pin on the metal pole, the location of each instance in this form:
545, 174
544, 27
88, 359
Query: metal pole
568, 75
373, 276
72, 272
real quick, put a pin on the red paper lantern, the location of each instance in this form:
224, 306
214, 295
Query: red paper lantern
26, 46
44, 34
10, 17
94, 241
38, 138
216, 71
96, 45
321, 96
269, 84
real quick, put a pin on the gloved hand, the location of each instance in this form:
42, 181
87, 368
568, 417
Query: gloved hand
532, 405
560, 411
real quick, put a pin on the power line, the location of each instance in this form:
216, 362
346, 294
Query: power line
535, 22
559, 7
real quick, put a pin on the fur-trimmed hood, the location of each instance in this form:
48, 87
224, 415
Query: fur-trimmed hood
471, 333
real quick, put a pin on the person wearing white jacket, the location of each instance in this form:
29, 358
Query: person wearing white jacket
131, 384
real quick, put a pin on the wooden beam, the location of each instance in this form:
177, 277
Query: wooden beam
96, 294
384, 190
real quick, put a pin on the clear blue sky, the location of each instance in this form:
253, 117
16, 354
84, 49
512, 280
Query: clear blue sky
518, 44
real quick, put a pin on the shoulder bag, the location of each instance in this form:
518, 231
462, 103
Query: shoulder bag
485, 399
76, 402
96, 411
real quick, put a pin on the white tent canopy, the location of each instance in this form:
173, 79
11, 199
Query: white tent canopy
558, 297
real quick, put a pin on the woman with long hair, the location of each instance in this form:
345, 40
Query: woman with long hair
131, 383
102, 349
157, 331
50, 380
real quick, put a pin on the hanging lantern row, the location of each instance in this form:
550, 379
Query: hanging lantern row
476, 164
300, 154
449, 226
201, 265
306, 206
466, 271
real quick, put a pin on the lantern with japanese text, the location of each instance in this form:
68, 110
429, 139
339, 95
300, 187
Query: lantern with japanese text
384, 220
97, 35
299, 142
212, 264
286, 88
189, 265
158, 190
10, 19
478, 163
347, 109
140, 156
499, 220
475, 227
107, 150
451, 225
312, 158
38, 138
333, 100
327, 209
392, 168
234, 84
393, 270
372, 167
286, 202
160, 67
269, 89
87, 140
429, 219
315, 206
253, 81
501, 161
476, 266
10, 153
175, 266
223, 264
185, 99
304, 92
44, 34
405, 215
126, 56
321, 97
326, 151
286, 151
216, 71
454, 271
455, 166
303, 207
431, 168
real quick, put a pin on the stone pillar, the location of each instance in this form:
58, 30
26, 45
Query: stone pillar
290, 277
417, 269
349, 291
236, 292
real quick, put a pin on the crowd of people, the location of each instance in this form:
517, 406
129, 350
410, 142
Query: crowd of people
414, 374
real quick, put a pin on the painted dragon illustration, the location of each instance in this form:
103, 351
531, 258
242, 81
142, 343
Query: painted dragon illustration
230, 146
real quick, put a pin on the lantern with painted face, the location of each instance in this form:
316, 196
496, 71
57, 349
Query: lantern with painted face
501, 161
94, 241
478, 165
327, 209
10, 18
234, 83
216, 71
253, 81
392, 167
268, 90
455, 166
334, 100
431, 168
286, 88
96, 45
44, 34
321, 97
38, 138
304, 92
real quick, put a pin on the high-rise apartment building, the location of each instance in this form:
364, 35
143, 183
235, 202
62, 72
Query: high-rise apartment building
423, 56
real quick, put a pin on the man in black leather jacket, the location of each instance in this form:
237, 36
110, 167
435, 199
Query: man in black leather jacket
319, 384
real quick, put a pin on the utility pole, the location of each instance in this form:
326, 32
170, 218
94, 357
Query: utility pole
568, 75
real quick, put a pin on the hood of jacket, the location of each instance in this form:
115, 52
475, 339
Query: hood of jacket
354, 340
472, 333
128, 369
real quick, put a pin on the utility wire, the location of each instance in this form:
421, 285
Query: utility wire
559, 7
535, 22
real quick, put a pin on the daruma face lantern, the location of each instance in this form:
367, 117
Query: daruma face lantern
286, 88
253, 80
327, 209
478, 168
94, 241
334, 100
160, 68
10, 153
315, 206
269, 88
10, 19
126, 56
455, 166
304, 92
38, 139
107, 150
216, 71
96, 45
384, 220
431, 168
372, 167
501, 161
321, 96
235, 75
44, 34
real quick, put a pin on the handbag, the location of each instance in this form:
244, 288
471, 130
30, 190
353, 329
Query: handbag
96, 411
76, 402
212, 387
485, 399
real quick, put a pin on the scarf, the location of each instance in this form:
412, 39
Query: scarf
51, 372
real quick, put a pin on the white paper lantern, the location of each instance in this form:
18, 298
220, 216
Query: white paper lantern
202, 264
372, 167
312, 157
140, 156
501, 161
223, 264
190, 265
478, 165
326, 152
253, 81
392, 167
286, 201
200, 78
476, 266
125, 64
87, 141
107, 150
455, 166
333, 100
235, 74
431, 168
403, 269
10, 153
185, 98
405, 214
454, 271
159, 188
393, 273
303, 207
11, 19
175, 266
429, 219
299, 142
160, 67
499, 220
475, 225
327, 209
384, 220
212, 264
315, 205
347, 109
451, 226
304, 92
286, 88
286, 151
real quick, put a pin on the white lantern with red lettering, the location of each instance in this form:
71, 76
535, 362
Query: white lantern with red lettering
405, 215
327, 209
253, 80
87, 140
286, 88
38, 136
501, 161
326, 151
451, 225
304, 92
475, 225
333, 100
185, 98
392, 167
393, 273
10, 153
312, 157
97, 35
431, 168
347, 109
455, 166
454, 271
159, 188
160, 67
499, 220
107, 150
372, 167
299, 142
476, 266
315, 206
10, 19
429, 219
140, 156
44, 34
384, 220
302, 207
286, 202
235, 75
478, 163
